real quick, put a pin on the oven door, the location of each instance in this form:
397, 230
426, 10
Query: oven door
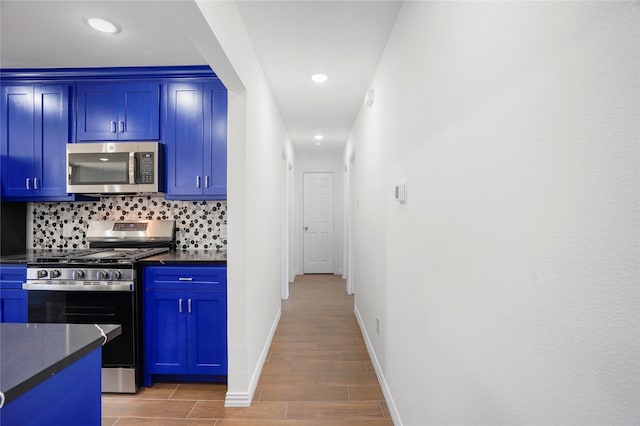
91, 307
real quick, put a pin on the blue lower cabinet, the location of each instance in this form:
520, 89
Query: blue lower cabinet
207, 331
185, 316
71, 397
13, 299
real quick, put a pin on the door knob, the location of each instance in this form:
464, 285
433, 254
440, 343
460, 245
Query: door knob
306, 228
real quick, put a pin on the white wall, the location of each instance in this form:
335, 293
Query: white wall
508, 286
257, 197
325, 162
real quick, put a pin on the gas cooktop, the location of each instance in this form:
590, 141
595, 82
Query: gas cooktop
100, 256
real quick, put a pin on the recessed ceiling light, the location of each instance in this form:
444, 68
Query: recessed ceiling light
319, 77
318, 137
102, 25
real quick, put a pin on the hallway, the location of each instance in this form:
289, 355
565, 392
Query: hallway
317, 372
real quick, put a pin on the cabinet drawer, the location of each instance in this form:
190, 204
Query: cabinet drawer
180, 277
12, 276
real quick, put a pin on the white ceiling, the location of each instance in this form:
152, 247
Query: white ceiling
293, 39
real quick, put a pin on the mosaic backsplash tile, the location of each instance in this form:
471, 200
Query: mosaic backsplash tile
199, 224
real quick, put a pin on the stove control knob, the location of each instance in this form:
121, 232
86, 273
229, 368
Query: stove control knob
55, 273
116, 275
78, 274
42, 273
103, 275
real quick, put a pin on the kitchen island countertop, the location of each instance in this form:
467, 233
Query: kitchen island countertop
33, 352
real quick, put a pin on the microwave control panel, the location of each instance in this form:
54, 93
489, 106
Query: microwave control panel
147, 165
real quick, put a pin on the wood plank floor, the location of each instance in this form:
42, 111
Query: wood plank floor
318, 373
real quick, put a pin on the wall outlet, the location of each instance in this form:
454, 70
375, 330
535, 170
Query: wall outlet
67, 230
378, 326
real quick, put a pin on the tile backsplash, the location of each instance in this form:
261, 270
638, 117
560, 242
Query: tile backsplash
63, 225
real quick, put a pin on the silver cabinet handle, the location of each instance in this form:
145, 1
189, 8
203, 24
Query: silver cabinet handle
189, 305
28, 183
185, 278
122, 127
206, 181
35, 183
180, 305
113, 127
198, 181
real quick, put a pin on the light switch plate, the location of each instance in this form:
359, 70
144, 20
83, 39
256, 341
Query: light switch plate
401, 193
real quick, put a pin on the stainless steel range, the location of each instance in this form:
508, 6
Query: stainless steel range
100, 285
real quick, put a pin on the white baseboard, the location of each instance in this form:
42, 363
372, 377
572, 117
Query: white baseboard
244, 399
395, 416
238, 399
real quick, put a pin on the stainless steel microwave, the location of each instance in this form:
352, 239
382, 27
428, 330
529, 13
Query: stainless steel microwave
115, 167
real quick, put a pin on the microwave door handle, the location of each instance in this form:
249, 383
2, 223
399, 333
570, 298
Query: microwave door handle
132, 167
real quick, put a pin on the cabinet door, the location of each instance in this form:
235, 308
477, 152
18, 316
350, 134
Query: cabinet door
215, 141
118, 111
52, 133
13, 305
165, 332
97, 112
13, 300
139, 111
185, 123
18, 148
207, 331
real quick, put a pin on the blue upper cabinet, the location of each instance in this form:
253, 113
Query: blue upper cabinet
184, 139
184, 107
215, 141
196, 140
36, 128
118, 111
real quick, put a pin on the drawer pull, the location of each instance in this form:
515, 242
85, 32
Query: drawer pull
185, 279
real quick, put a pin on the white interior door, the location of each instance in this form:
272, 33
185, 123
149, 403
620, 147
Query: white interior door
318, 223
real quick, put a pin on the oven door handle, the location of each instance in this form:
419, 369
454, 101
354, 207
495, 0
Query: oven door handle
122, 287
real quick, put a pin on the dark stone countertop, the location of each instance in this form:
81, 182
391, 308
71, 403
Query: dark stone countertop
187, 256
31, 353
30, 255
179, 256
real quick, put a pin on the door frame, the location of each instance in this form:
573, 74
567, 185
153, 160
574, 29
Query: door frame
287, 228
351, 206
299, 219
335, 242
